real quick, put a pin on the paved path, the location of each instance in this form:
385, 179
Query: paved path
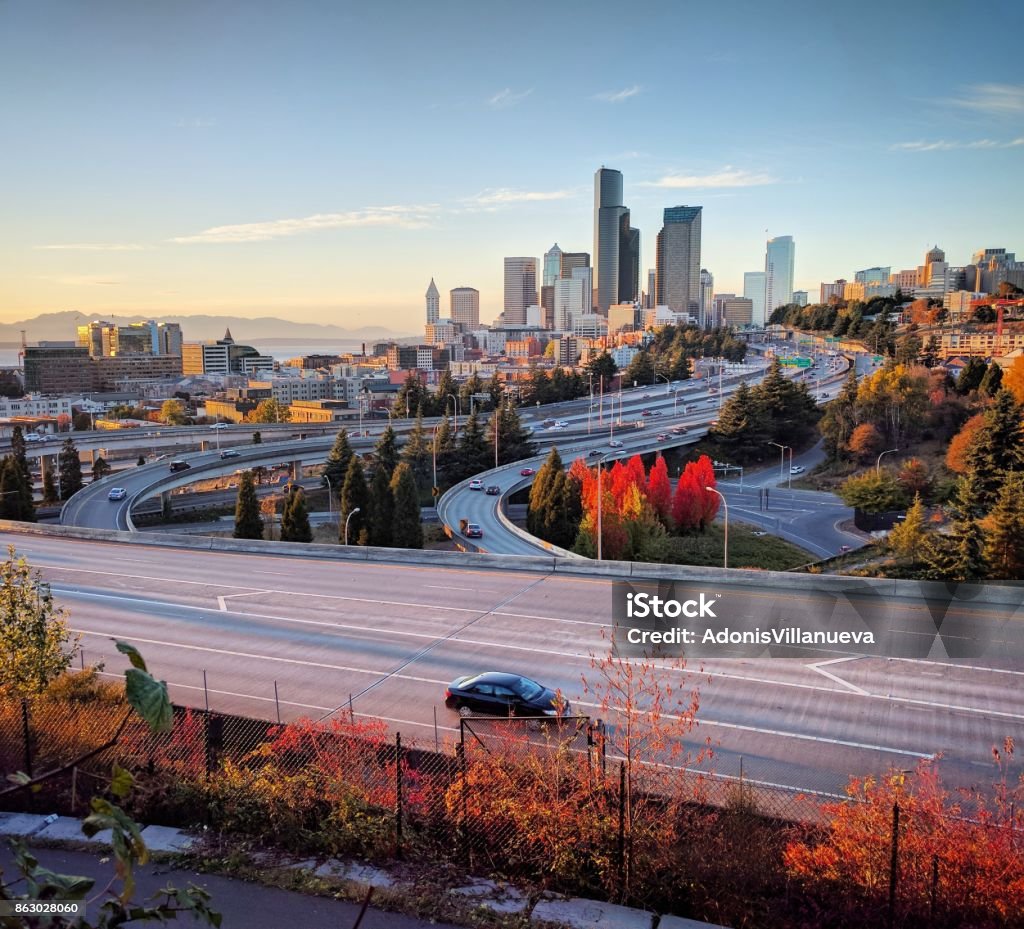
244, 905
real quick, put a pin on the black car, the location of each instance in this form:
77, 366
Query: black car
179, 465
493, 490
501, 694
229, 453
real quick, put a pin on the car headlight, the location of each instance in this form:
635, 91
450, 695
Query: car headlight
551, 712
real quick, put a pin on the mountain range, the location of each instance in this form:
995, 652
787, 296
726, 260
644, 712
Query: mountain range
61, 327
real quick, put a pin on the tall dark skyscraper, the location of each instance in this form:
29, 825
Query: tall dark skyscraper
629, 262
611, 218
678, 271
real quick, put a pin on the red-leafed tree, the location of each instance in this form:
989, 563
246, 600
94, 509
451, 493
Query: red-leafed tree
685, 504
704, 477
659, 490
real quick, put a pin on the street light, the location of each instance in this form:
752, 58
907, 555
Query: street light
330, 494
347, 518
456, 399
725, 547
434, 487
878, 464
600, 461
782, 458
668, 383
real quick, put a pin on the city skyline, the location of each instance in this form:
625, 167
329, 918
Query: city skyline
226, 167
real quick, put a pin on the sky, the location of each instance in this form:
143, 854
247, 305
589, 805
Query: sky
321, 161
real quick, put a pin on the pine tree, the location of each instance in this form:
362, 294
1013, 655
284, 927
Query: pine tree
1004, 531
336, 466
354, 496
473, 453
386, 452
49, 487
100, 468
295, 518
998, 448
70, 467
992, 382
141, 461
411, 396
957, 556
15, 497
513, 440
257, 438
541, 498
407, 529
418, 451
248, 524
19, 451
741, 431
907, 538
496, 389
381, 509
444, 442
434, 404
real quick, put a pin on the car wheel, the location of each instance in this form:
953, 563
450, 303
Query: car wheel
465, 711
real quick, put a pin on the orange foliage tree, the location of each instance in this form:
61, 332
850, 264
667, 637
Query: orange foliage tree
865, 441
1013, 379
956, 454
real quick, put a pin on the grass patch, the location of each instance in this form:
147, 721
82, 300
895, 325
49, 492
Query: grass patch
746, 550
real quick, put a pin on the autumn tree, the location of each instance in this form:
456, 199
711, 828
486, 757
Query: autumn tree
248, 524
1013, 379
865, 441
956, 453
269, 411
872, 492
36, 644
908, 536
914, 477
173, 413
659, 490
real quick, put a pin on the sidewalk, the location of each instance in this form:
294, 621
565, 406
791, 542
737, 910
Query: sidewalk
244, 905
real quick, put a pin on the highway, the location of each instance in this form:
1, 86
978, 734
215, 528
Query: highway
392, 635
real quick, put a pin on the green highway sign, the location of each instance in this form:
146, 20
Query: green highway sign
803, 362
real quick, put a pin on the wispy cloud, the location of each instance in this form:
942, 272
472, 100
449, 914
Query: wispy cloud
504, 196
617, 96
92, 247
994, 99
726, 177
947, 146
508, 97
402, 217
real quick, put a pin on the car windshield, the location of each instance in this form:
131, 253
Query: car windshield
527, 689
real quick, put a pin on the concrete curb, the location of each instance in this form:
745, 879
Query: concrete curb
160, 840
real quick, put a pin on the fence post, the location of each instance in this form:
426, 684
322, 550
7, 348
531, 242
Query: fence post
398, 794
894, 862
277, 703
26, 734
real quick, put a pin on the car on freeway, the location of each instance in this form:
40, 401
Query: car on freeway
646, 413
220, 426
711, 402
229, 453
759, 533
117, 493
615, 443
662, 436
493, 490
476, 484
797, 469
655, 412
547, 423
595, 453
562, 424
647, 396
33, 437
527, 472
822, 396
680, 430
473, 531
689, 408
179, 465
500, 693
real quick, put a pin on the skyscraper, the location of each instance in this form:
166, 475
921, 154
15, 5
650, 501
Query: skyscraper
652, 287
433, 304
552, 266
678, 260
629, 261
520, 289
778, 270
465, 308
569, 300
754, 283
707, 297
611, 225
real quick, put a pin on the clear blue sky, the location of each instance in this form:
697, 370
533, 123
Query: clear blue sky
322, 160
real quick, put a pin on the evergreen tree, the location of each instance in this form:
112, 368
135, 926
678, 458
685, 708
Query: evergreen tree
381, 509
407, 531
971, 376
469, 389
998, 448
992, 381
1004, 531
15, 494
444, 442
907, 538
70, 467
434, 404
640, 370
295, 518
410, 397
49, 487
248, 523
602, 364
541, 498
19, 451
141, 461
100, 468
495, 389
740, 431
354, 495
957, 556
336, 466
386, 452
840, 418
257, 438
513, 440
473, 453
418, 451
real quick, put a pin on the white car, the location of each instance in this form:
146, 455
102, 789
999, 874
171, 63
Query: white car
615, 443
220, 426
797, 469
476, 484
562, 424
117, 493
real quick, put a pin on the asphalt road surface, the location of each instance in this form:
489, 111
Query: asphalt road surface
391, 637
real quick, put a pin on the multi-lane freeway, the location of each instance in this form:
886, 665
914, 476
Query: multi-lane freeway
390, 636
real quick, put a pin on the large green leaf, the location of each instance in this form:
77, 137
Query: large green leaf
133, 655
149, 698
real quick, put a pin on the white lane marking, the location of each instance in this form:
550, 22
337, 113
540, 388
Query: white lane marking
817, 666
804, 737
442, 587
222, 601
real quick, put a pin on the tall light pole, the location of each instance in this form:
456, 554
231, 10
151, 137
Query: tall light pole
878, 464
330, 494
600, 461
433, 491
725, 547
497, 416
347, 518
782, 458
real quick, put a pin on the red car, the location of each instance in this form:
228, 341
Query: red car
527, 472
